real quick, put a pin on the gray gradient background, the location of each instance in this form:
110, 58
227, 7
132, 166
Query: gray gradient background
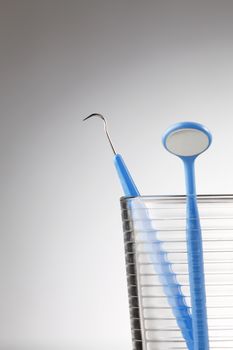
145, 65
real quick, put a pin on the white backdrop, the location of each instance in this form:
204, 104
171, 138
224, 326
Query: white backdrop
144, 65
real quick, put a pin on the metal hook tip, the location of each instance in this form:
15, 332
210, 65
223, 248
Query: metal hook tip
94, 115
105, 127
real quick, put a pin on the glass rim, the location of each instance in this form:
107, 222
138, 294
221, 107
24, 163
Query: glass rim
178, 197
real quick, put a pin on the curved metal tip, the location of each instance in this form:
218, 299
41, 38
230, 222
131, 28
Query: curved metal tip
95, 115
105, 127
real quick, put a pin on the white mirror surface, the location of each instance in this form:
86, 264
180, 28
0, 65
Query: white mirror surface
187, 142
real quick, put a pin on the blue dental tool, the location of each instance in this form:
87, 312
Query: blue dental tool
187, 140
128, 185
168, 279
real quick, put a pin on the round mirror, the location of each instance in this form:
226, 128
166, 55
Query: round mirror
186, 141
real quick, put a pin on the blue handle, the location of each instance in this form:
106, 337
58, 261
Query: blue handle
195, 262
129, 187
159, 257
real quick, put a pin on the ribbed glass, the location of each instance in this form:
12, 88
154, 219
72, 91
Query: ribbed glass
161, 220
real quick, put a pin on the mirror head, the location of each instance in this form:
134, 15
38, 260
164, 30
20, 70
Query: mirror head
187, 139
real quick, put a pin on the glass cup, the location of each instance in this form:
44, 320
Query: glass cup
160, 221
